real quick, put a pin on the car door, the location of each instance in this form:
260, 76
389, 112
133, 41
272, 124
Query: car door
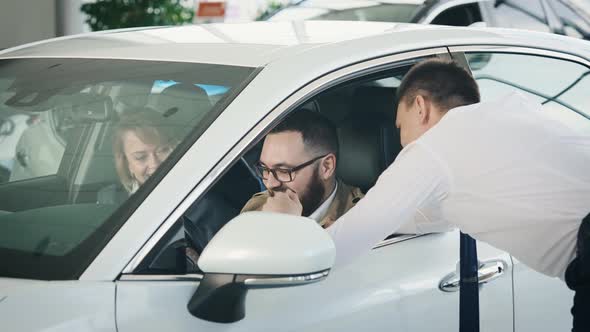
406, 282
560, 83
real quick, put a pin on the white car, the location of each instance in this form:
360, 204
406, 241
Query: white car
11, 129
564, 17
71, 261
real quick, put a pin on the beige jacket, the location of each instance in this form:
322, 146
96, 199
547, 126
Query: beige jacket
346, 197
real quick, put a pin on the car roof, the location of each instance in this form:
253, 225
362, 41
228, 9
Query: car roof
257, 44
346, 4
250, 44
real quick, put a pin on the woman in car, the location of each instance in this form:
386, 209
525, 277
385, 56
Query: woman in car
142, 140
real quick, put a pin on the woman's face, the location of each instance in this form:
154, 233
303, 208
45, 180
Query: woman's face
143, 159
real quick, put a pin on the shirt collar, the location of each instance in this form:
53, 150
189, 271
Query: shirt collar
321, 211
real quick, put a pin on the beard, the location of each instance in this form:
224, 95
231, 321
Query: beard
312, 198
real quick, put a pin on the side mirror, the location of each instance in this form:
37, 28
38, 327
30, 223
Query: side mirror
258, 250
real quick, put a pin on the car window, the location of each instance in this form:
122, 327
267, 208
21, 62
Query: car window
297, 13
381, 13
83, 141
560, 86
363, 11
463, 15
363, 112
528, 15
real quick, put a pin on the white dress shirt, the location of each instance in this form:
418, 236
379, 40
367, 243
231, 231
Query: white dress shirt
504, 172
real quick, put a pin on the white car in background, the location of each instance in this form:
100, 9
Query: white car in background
564, 17
71, 262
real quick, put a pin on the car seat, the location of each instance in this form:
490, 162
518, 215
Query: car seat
368, 139
182, 103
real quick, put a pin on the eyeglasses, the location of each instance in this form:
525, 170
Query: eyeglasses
282, 174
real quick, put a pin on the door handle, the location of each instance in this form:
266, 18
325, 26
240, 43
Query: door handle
488, 271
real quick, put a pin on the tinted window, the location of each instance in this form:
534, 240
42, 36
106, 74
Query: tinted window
380, 13
82, 142
363, 112
459, 16
343, 12
561, 86
297, 13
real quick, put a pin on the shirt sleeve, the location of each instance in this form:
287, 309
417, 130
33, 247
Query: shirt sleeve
416, 179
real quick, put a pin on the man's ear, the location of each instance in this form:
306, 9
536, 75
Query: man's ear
328, 166
424, 107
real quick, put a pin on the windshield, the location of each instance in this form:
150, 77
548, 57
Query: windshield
82, 142
355, 11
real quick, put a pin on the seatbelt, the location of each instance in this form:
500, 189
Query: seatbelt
469, 287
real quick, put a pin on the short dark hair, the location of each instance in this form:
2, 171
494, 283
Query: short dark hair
447, 84
318, 132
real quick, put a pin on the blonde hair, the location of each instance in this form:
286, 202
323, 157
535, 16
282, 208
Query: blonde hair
149, 127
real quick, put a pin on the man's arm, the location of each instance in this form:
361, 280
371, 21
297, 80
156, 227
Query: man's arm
416, 178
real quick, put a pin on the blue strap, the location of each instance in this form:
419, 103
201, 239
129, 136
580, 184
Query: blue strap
469, 291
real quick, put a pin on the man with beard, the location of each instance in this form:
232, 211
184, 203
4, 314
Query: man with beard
299, 158
503, 171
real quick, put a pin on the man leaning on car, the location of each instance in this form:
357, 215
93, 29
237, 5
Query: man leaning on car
502, 171
299, 158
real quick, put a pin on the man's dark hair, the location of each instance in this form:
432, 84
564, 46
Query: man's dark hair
446, 83
318, 132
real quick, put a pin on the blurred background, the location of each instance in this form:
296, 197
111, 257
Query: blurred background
24, 21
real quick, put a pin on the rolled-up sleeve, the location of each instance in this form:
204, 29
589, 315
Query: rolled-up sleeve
416, 179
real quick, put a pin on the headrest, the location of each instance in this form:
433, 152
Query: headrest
381, 100
375, 99
181, 102
361, 158
336, 104
369, 141
131, 95
91, 108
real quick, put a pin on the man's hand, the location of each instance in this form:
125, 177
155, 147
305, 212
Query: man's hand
283, 202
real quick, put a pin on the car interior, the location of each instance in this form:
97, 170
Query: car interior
463, 15
75, 130
364, 114
363, 111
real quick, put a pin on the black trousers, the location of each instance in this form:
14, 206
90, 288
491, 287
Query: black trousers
577, 277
